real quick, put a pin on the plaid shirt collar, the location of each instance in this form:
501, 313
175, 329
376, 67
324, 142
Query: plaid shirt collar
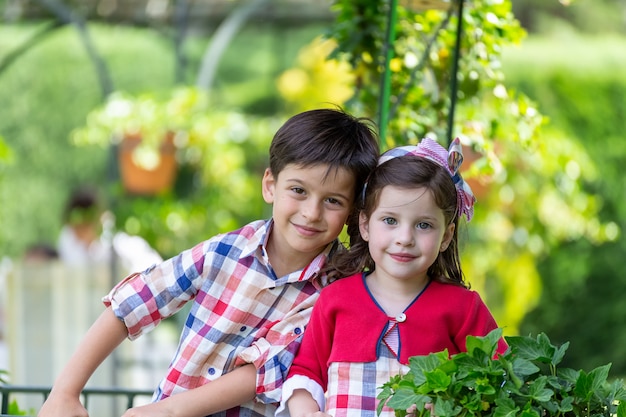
257, 246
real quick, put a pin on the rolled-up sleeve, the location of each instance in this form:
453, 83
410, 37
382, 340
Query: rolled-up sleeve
273, 352
143, 299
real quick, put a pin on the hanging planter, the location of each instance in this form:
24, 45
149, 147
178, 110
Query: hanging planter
148, 133
150, 178
479, 186
480, 168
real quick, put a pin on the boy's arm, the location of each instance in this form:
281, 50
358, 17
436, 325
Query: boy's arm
302, 404
273, 353
228, 391
101, 339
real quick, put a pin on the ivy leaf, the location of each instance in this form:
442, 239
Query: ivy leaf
524, 367
487, 344
529, 413
599, 377
589, 384
419, 365
428, 362
568, 374
404, 398
567, 404
505, 407
533, 350
537, 390
445, 408
559, 353
437, 380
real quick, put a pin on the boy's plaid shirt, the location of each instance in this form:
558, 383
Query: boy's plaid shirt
237, 303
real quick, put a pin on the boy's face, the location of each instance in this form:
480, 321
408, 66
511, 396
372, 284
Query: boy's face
310, 207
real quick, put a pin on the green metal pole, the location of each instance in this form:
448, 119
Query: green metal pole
385, 85
455, 71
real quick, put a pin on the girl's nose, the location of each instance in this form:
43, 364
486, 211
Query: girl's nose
404, 236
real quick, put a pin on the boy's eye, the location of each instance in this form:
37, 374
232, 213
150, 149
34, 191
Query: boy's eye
297, 190
390, 221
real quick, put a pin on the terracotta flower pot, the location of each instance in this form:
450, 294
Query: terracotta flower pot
479, 184
139, 180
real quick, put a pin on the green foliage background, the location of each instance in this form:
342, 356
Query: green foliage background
42, 107
580, 86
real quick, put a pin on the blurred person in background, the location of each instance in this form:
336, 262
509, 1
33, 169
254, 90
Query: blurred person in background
82, 240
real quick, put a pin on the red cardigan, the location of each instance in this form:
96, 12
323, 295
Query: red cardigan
347, 325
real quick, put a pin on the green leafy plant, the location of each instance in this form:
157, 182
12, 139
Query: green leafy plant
14, 408
525, 381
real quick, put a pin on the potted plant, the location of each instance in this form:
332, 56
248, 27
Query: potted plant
147, 131
526, 381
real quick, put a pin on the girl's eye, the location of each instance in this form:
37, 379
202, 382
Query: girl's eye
423, 225
390, 221
334, 201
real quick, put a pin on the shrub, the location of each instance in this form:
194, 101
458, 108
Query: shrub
525, 381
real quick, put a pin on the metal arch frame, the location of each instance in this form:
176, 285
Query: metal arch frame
385, 85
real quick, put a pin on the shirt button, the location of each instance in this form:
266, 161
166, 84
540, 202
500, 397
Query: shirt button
297, 330
243, 329
401, 317
211, 371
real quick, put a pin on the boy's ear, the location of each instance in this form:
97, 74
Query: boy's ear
447, 237
268, 185
364, 227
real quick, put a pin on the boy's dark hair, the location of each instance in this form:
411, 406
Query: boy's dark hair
408, 172
326, 136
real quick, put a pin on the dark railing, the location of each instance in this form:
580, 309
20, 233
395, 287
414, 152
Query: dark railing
7, 390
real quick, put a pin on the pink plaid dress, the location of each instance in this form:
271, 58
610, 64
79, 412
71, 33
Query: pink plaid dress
353, 386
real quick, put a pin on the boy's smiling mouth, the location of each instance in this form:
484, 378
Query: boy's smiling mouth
306, 230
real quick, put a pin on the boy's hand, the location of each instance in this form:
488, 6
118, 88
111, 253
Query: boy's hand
62, 406
158, 409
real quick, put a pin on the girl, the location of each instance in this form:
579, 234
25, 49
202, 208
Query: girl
411, 299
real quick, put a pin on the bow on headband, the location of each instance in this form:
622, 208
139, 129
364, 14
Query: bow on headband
451, 160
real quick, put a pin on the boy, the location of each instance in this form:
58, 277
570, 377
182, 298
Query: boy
240, 283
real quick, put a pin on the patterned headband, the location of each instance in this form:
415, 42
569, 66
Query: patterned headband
451, 160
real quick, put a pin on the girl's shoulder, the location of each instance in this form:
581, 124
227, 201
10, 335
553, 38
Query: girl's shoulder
349, 283
451, 290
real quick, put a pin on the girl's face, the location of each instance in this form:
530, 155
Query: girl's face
406, 232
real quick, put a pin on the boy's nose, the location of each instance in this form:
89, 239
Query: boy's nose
312, 211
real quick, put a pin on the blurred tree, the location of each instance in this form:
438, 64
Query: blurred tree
5, 152
316, 81
587, 16
584, 285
